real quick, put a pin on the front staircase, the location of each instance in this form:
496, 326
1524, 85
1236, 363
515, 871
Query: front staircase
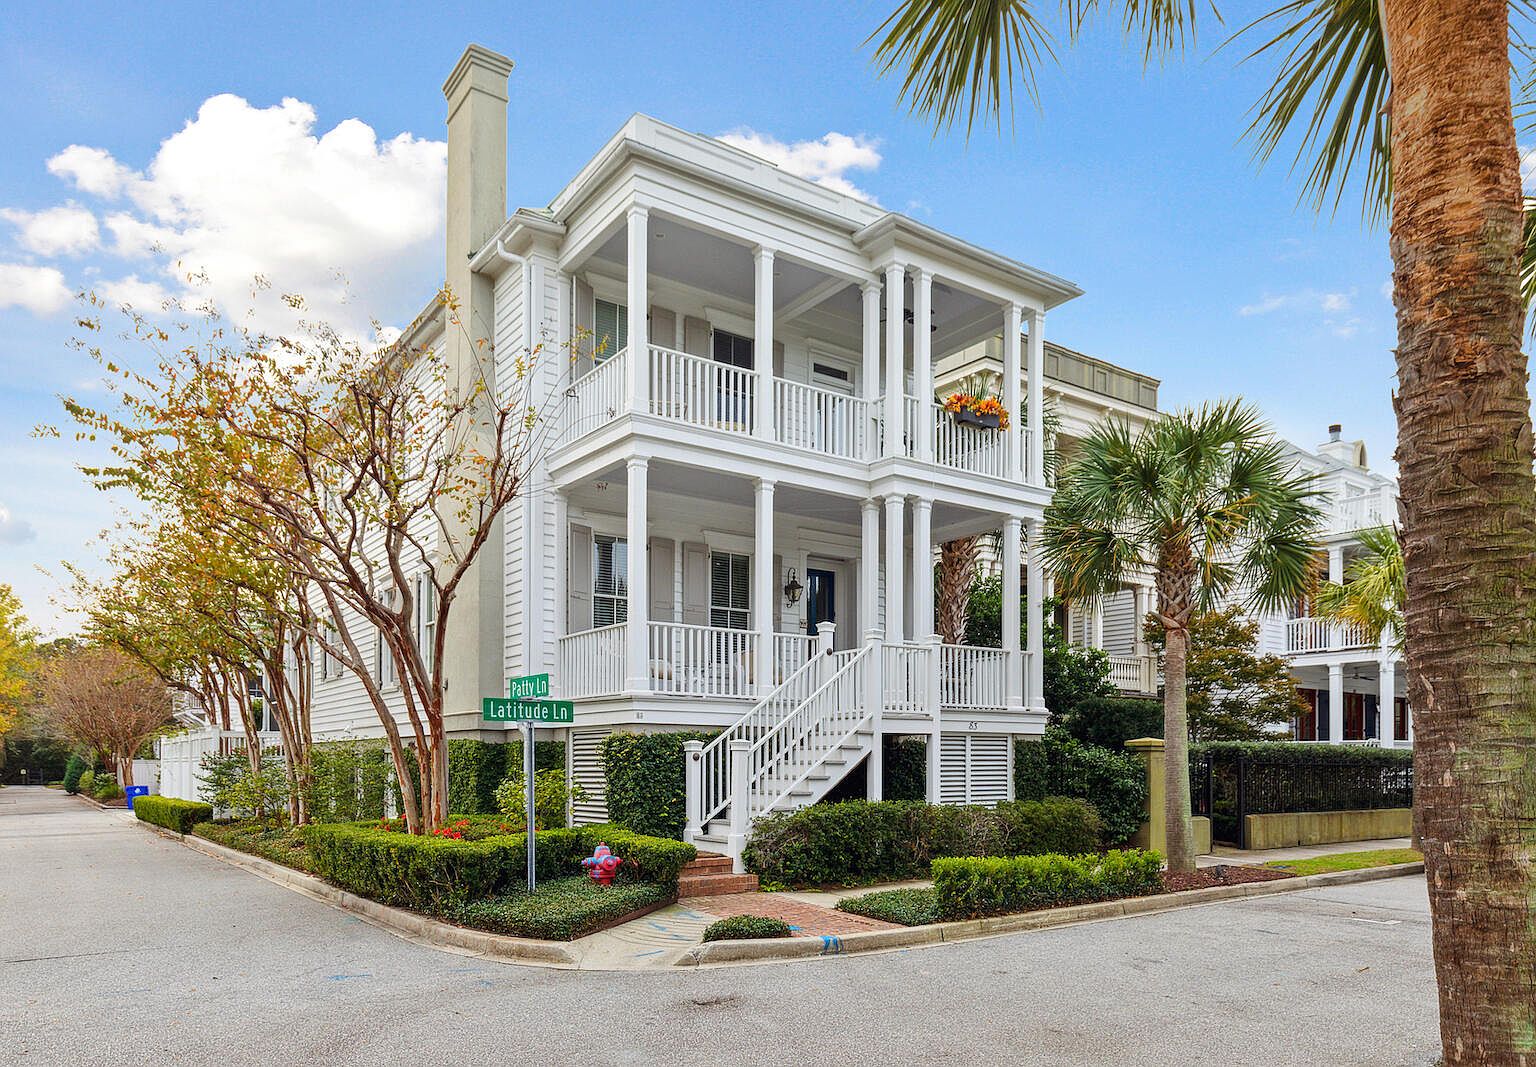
711, 875
803, 738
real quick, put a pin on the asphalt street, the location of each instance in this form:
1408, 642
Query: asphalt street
119, 947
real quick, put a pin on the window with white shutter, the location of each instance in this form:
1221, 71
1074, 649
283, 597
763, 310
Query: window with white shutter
610, 580
610, 330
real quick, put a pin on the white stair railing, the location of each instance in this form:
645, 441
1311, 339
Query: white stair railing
713, 759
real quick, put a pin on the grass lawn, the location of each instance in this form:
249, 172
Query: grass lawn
1348, 861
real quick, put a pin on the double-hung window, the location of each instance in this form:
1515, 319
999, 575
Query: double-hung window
730, 582
610, 330
426, 617
610, 580
383, 659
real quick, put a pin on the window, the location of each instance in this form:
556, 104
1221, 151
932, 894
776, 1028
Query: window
730, 582
610, 580
610, 329
383, 659
426, 617
733, 349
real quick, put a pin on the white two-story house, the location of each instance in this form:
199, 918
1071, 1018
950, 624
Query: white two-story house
732, 524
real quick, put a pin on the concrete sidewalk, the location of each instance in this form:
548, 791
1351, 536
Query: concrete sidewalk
1259, 857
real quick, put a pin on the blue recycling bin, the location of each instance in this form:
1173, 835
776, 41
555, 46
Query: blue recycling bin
135, 791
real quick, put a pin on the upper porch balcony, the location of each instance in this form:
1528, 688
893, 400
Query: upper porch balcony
820, 346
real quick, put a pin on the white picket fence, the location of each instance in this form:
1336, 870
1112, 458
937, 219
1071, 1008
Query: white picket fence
181, 756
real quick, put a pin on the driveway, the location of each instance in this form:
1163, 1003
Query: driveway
121, 947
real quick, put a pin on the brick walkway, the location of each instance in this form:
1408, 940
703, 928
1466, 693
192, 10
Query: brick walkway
809, 920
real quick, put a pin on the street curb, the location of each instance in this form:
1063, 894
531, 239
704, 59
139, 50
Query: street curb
744, 951
402, 923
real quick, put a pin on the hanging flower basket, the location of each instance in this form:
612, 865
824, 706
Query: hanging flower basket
970, 418
984, 411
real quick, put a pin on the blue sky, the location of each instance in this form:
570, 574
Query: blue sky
1198, 268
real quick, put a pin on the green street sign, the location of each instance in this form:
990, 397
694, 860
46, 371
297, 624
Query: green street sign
528, 686
505, 709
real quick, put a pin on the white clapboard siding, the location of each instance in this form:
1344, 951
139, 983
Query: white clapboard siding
1120, 623
587, 772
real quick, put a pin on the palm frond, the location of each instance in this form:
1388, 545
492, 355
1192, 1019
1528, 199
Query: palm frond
958, 57
1163, 26
1331, 91
1528, 258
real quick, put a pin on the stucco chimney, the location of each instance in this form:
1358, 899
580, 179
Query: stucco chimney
1351, 452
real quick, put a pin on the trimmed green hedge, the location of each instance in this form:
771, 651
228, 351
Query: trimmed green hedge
1110, 722
438, 874
173, 814
861, 841
559, 910
746, 927
476, 768
1058, 765
904, 907
280, 844
1289, 752
647, 790
905, 763
349, 780
970, 888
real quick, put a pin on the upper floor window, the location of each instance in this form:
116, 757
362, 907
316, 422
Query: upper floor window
730, 585
610, 580
426, 617
610, 329
733, 349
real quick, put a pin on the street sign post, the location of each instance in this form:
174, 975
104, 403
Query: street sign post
523, 705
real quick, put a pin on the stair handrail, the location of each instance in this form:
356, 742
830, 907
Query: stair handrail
714, 758
816, 728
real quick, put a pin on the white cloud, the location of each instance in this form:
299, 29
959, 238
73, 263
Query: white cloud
244, 204
14, 531
141, 295
1263, 307
40, 290
824, 161
1528, 168
67, 230
1331, 309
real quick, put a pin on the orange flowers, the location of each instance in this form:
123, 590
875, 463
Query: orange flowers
978, 410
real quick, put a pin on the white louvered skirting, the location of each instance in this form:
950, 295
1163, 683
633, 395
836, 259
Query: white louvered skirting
587, 772
974, 768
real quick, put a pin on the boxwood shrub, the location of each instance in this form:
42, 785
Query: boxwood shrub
969, 888
72, 773
280, 844
862, 841
746, 927
171, 813
647, 791
438, 874
904, 907
476, 768
1115, 783
559, 910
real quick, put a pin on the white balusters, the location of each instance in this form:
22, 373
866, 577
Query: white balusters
702, 392
820, 420
971, 677
591, 663
595, 399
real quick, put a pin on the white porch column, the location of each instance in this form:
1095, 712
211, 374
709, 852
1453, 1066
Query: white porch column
1139, 635
1010, 625
1386, 700
1096, 623
869, 566
895, 599
562, 570
762, 341
638, 303
922, 569
637, 522
1336, 565
922, 364
1336, 702
764, 596
1036, 371
871, 291
895, 361
1012, 383
1034, 568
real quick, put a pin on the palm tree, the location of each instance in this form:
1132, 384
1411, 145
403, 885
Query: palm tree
1208, 500
1417, 92
1371, 596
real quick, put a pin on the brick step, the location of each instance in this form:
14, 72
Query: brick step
708, 863
713, 885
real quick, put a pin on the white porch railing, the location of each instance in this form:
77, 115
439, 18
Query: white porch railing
591, 663
1133, 674
702, 392
1359, 512
972, 677
1320, 635
805, 416
790, 653
705, 661
596, 398
181, 756
906, 672
964, 447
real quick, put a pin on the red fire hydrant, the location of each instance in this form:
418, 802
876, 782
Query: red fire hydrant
602, 865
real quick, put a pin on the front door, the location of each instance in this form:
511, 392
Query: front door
1354, 716
820, 598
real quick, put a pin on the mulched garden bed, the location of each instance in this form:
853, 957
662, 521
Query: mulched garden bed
1221, 874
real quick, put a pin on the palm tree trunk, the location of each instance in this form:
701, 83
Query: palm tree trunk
1469, 509
1176, 816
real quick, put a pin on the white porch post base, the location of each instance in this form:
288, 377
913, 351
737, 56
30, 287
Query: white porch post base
693, 778
741, 802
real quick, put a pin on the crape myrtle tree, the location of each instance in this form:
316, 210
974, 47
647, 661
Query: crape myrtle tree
374, 476
1411, 102
107, 703
1209, 502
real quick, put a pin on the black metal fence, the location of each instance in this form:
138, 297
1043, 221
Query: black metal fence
1228, 788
